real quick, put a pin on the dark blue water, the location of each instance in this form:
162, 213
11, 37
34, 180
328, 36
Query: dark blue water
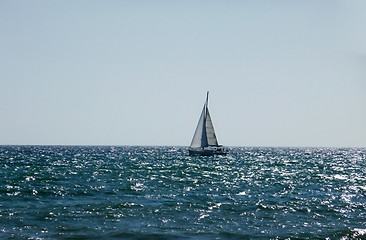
73, 192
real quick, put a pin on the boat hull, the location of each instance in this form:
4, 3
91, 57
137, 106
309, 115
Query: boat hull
207, 152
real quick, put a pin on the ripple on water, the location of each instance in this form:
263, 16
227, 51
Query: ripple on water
160, 192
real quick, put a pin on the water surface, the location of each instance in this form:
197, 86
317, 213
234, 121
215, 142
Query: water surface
76, 192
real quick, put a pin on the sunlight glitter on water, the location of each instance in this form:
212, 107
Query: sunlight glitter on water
160, 192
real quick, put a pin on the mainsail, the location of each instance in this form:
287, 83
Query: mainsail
204, 135
210, 132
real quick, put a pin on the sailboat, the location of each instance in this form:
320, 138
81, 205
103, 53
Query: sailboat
204, 140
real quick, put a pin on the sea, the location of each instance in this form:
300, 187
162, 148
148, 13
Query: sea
136, 192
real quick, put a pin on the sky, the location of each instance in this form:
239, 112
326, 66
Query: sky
280, 73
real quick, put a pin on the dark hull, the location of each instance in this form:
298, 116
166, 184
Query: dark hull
207, 152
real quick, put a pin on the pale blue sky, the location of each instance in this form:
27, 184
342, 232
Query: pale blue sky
280, 73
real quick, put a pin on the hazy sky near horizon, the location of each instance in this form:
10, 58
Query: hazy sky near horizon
280, 73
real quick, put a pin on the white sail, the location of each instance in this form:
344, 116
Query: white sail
199, 137
210, 132
204, 135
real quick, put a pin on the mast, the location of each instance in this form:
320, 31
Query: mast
207, 100
204, 140
210, 135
